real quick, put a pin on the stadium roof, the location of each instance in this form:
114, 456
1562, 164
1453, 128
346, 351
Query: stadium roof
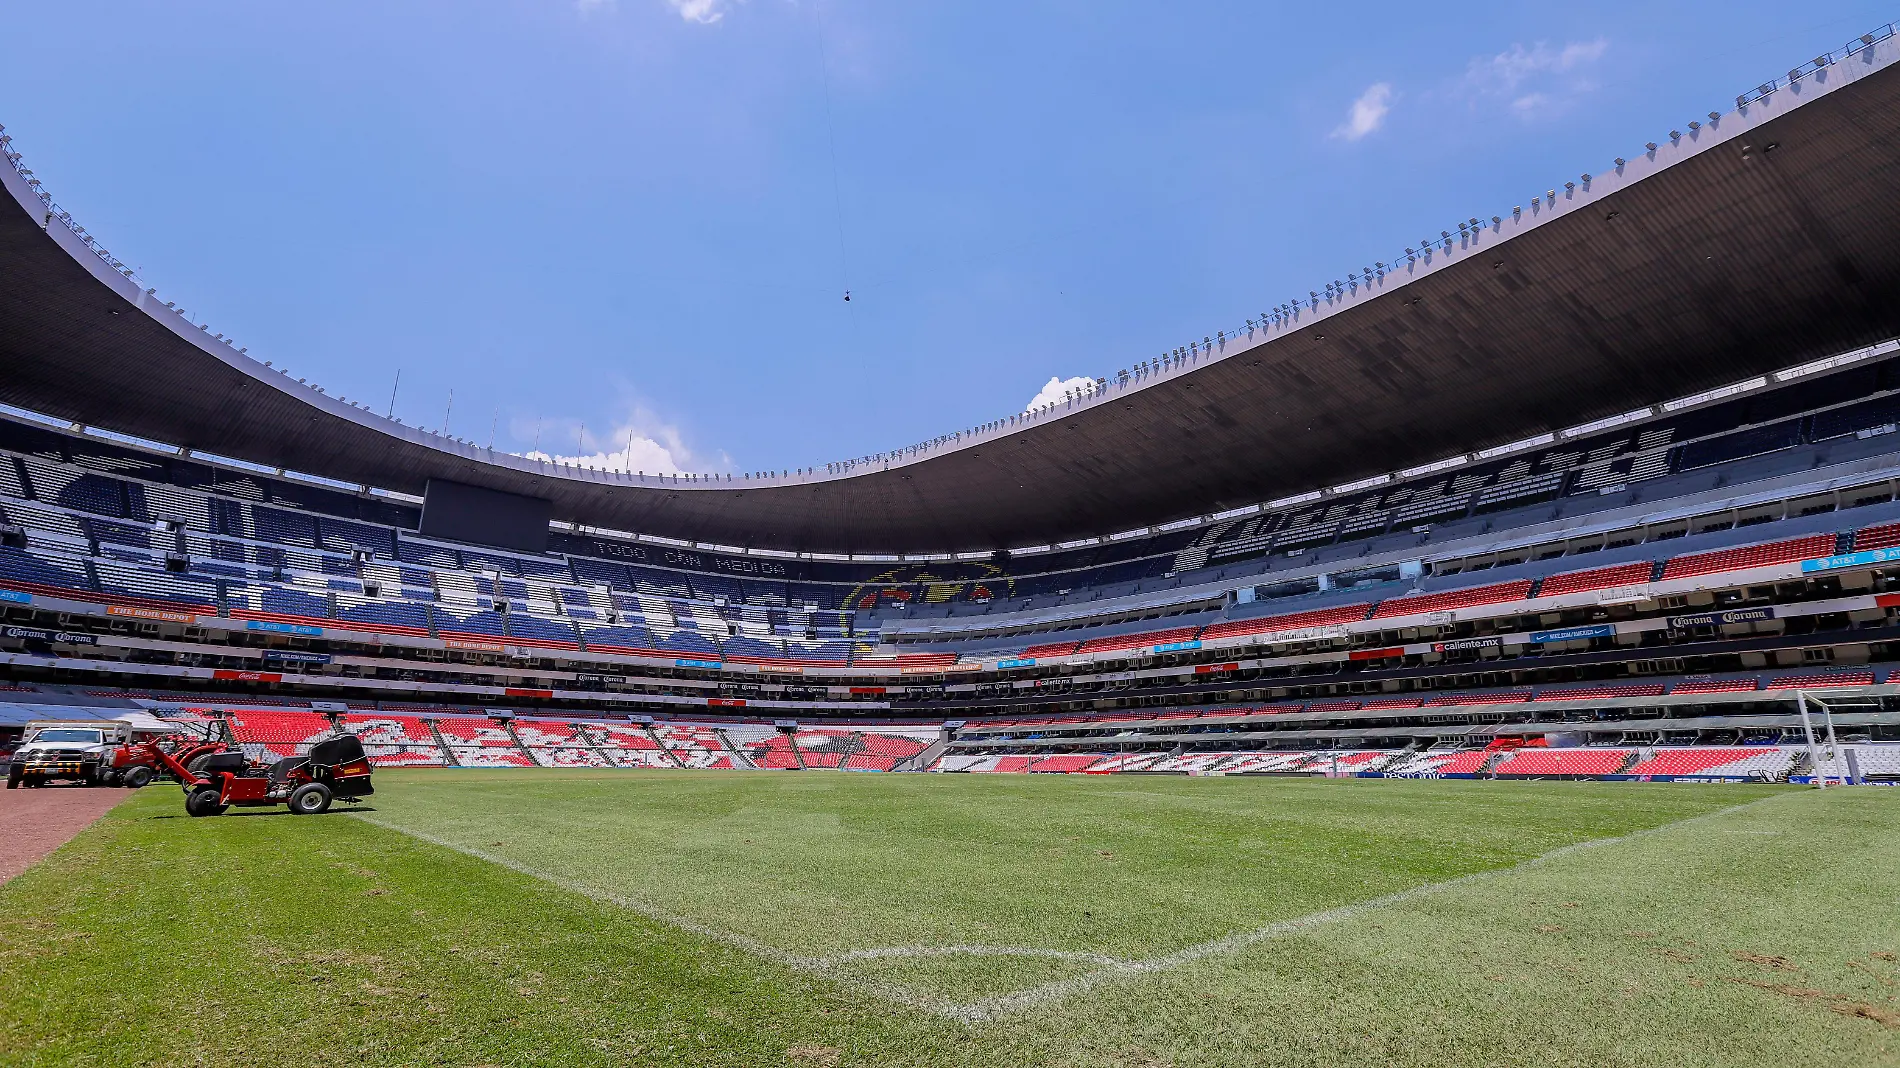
1757, 239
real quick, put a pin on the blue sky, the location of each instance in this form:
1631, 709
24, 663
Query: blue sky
641, 216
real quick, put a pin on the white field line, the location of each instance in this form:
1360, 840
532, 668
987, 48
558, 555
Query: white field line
817, 965
1107, 967
1005, 1004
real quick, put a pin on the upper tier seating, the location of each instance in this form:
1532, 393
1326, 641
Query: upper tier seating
1819, 680
1320, 617
1880, 537
1715, 686
1451, 600
1747, 556
1601, 578
1588, 693
1119, 642
1496, 697
1049, 649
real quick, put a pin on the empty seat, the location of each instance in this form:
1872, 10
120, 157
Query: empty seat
1601, 578
1452, 600
1749, 556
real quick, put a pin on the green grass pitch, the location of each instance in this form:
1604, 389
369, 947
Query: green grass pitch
707, 918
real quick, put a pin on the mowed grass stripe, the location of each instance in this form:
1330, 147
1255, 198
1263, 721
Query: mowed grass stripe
158, 940
1757, 938
1018, 1001
817, 865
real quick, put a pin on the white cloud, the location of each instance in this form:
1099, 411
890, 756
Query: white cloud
1530, 104
638, 442
1052, 391
1535, 80
588, 7
701, 11
1367, 113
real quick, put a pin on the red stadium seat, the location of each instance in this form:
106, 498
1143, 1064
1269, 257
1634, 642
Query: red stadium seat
1451, 600
1601, 578
1526, 762
1715, 686
1049, 649
1820, 680
1321, 617
1586, 693
1119, 642
1506, 697
1881, 537
1749, 556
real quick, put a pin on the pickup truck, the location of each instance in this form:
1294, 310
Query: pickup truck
67, 751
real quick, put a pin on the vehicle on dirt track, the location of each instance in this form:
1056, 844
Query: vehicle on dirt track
215, 778
90, 752
54, 751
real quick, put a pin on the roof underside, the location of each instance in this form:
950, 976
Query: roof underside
1718, 265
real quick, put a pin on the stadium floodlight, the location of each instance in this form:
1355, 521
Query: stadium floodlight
1715, 116
1651, 145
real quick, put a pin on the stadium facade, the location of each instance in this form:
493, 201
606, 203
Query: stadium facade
1604, 484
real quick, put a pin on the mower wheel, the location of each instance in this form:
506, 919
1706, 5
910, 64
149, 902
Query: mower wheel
106, 777
136, 777
204, 802
310, 799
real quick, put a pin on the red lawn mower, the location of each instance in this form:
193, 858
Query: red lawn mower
214, 778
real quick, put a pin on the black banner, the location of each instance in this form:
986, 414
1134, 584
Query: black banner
61, 637
1716, 619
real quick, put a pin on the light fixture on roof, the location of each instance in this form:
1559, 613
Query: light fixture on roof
1651, 146
1715, 116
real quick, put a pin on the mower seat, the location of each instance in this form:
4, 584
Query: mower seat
217, 762
281, 770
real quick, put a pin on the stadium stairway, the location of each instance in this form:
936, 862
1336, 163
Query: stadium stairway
734, 750
448, 752
660, 741
508, 725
